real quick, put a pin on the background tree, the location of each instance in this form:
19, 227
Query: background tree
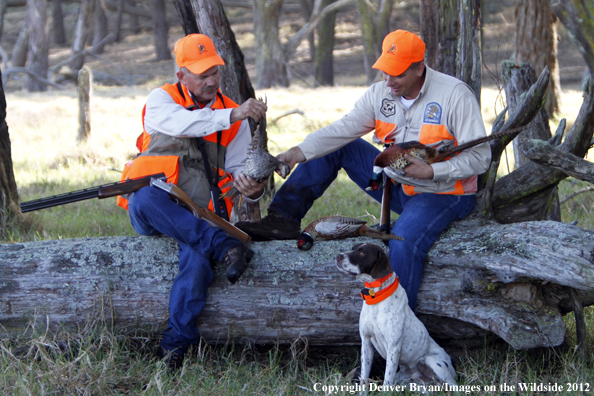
80, 34
58, 23
38, 54
271, 66
160, 30
323, 55
374, 18
451, 31
8, 189
536, 42
100, 27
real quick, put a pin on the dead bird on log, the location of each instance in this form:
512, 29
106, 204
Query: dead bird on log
260, 164
338, 227
393, 156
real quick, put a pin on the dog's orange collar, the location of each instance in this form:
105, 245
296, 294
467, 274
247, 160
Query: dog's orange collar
372, 297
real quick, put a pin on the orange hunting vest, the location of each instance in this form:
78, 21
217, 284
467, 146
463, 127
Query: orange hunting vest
180, 158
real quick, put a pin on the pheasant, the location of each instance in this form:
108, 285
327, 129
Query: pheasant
393, 156
260, 164
338, 227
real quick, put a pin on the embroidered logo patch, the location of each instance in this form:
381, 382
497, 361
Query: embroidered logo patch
201, 48
388, 107
432, 113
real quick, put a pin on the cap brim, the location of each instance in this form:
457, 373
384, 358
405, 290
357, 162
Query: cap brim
204, 64
389, 66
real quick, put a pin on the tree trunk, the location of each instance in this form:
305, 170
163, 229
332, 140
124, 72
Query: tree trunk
451, 31
306, 9
536, 42
323, 58
119, 15
85, 83
160, 30
80, 34
287, 294
58, 23
19, 51
133, 18
38, 54
3, 7
439, 30
370, 41
186, 13
271, 66
99, 27
8, 190
469, 44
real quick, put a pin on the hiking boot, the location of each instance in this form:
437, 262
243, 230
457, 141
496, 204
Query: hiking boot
236, 260
273, 226
172, 359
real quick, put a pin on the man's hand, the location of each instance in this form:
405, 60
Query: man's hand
250, 108
248, 186
417, 169
292, 157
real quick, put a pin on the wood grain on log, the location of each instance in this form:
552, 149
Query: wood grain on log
480, 277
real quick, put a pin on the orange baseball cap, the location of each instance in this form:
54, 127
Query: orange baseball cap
197, 53
400, 49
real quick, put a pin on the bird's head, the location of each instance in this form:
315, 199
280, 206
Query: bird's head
283, 169
305, 241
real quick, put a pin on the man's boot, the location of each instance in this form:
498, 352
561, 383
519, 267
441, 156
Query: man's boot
273, 226
236, 260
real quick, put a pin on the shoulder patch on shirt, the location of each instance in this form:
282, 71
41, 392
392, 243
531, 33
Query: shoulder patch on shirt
432, 113
388, 107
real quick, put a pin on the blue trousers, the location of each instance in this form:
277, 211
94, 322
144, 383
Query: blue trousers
152, 212
422, 216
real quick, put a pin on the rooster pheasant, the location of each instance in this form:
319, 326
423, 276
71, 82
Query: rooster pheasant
260, 164
338, 227
393, 156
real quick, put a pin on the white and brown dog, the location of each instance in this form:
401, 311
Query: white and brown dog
388, 324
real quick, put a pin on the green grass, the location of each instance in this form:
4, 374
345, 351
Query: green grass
101, 360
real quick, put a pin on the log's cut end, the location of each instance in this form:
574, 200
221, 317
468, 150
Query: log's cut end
479, 278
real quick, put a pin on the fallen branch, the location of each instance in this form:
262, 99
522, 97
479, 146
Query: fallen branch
288, 113
576, 193
13, 70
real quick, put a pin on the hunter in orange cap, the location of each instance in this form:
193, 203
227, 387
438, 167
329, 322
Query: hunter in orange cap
400, 49
197, 53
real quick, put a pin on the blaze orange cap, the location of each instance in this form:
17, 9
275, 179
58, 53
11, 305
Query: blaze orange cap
400, 49
197, 53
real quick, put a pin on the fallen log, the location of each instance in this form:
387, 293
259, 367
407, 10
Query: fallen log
481, 278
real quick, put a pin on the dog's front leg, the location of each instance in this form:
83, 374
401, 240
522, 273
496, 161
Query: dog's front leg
392, 364
367, 353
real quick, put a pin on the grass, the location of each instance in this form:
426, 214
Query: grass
101, 360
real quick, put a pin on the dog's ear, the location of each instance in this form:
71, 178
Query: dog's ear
382, 266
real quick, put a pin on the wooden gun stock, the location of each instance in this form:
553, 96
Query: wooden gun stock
385, 213
202, 213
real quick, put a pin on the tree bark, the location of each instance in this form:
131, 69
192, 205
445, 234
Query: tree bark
160, 30
271, 66
451, 31
323, 58
58, 23
80, 34
374, 22
99, 27
306, 9
85, 83
536, 42
3, 7
186, 14
19, 51
440, 30
38, 54
8, 190
480, 278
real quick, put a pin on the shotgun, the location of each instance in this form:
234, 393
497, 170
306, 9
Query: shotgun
103, 191
201, 213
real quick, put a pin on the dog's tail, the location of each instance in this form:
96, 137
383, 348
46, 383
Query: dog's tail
373, 233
